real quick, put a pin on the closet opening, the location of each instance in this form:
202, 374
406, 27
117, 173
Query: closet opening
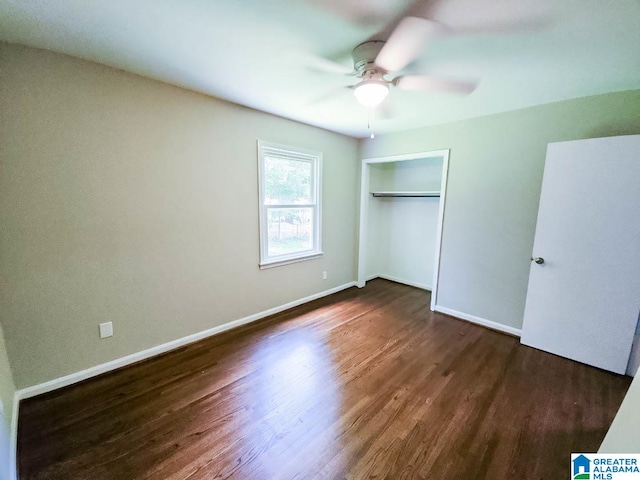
402, 201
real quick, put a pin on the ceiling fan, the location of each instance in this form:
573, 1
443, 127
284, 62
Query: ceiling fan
375, 59
399, 44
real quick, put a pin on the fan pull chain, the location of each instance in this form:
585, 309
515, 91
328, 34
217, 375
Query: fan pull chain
372, 115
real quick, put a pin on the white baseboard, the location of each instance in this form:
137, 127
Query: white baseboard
165, 347
480, 321
136, 357
423, 286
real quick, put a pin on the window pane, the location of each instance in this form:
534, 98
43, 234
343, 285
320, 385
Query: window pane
290, 230
287, 182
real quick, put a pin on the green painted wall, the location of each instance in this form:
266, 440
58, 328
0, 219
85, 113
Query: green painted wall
127, 200
495, 174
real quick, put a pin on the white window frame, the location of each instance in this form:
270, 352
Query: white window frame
291, 153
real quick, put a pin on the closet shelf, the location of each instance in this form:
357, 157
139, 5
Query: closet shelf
406, 194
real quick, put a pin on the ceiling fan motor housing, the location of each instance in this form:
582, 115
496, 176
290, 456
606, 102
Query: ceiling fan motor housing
364, 57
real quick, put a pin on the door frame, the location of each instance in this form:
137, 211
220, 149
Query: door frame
364, 211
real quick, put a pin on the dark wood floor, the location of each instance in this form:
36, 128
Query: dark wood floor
363, 384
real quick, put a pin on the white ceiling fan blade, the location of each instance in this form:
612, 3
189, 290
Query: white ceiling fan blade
386, 111
329, 66
427, 83
331, 96
407, 41
358, 12
511, 27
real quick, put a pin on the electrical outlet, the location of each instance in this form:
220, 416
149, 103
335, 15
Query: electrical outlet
324, 275
106, 330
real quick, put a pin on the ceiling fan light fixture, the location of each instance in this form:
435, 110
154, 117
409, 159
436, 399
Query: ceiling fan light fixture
370, 93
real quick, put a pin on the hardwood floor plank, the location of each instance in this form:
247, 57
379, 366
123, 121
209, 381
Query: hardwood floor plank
365, 383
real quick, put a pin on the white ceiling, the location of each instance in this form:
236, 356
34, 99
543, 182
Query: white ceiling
266, 54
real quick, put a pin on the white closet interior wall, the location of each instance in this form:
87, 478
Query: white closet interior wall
402, 231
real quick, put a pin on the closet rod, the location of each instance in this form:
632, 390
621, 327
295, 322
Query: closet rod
405, 194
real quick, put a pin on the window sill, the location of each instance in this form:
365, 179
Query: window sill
287, 261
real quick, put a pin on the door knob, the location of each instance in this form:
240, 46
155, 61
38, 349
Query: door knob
538, 260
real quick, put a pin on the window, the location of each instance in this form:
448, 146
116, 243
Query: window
290, 209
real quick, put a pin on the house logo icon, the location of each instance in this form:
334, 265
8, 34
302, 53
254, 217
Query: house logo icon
581, 468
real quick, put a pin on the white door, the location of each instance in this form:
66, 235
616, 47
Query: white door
583, 301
